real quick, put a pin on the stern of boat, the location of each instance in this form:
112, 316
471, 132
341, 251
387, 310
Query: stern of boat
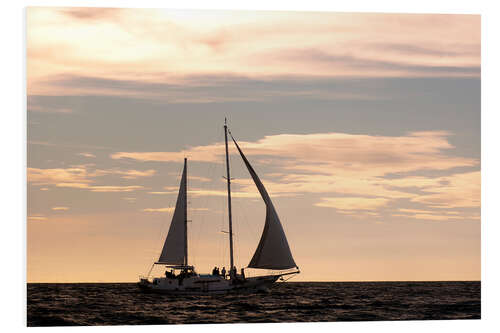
144, 284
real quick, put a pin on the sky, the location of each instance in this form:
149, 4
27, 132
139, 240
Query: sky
364, 128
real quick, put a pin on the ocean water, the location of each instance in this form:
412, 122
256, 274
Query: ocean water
73, 304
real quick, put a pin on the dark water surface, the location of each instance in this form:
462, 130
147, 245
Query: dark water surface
62, 304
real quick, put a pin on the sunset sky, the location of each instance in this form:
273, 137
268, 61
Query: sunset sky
364, 128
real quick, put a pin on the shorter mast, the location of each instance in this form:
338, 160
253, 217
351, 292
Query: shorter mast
229, 204
185, 216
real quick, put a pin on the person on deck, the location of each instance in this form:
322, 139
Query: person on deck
243, 273
223, 272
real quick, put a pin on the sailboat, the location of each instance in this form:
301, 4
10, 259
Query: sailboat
272, 254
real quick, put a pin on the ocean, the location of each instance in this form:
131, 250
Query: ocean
76, 304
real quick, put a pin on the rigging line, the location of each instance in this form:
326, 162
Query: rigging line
243, 217
203, 203
149, 273
204, 200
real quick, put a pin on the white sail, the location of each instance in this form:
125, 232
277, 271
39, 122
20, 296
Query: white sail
273, 251
174, 250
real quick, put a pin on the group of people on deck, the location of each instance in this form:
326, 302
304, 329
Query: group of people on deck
232, 273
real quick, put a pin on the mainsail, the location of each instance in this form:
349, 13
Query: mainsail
273, 251
175, 248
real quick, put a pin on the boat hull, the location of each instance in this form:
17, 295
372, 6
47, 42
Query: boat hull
202, 285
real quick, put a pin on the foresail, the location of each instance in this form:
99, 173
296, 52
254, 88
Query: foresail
174, 249
273, 251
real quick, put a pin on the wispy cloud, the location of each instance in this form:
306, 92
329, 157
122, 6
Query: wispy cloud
87, 155
438, 216
60, 175
441, 50
91, 14
80, 174
159, 210
133, 174
40, 108
60, 208
353, 203
37, 217
169, 209
101, 188
223, 193
389, 67
80, 177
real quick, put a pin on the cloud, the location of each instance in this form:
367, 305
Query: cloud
37, 217
81, 177
461, 190
198, 178
347, 152
389, 67
91, 14
87, 155
115, 188
169, 209
223, 193
350, 165
251, 44
60, 208
40, 108
101, 188
59, 175
201, 154
34, 105
159, 210
440, 50
438, 216
198, 88
352, 203
422, 211
133, 174
196, 192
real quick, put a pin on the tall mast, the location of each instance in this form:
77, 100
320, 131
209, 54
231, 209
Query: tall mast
229, 201
185, 215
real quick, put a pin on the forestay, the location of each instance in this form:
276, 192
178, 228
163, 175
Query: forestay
273, 251
175, 247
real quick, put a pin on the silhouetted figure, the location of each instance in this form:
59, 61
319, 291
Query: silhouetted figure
233, 272
243, 273
223, 272
170, 275
214, 271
